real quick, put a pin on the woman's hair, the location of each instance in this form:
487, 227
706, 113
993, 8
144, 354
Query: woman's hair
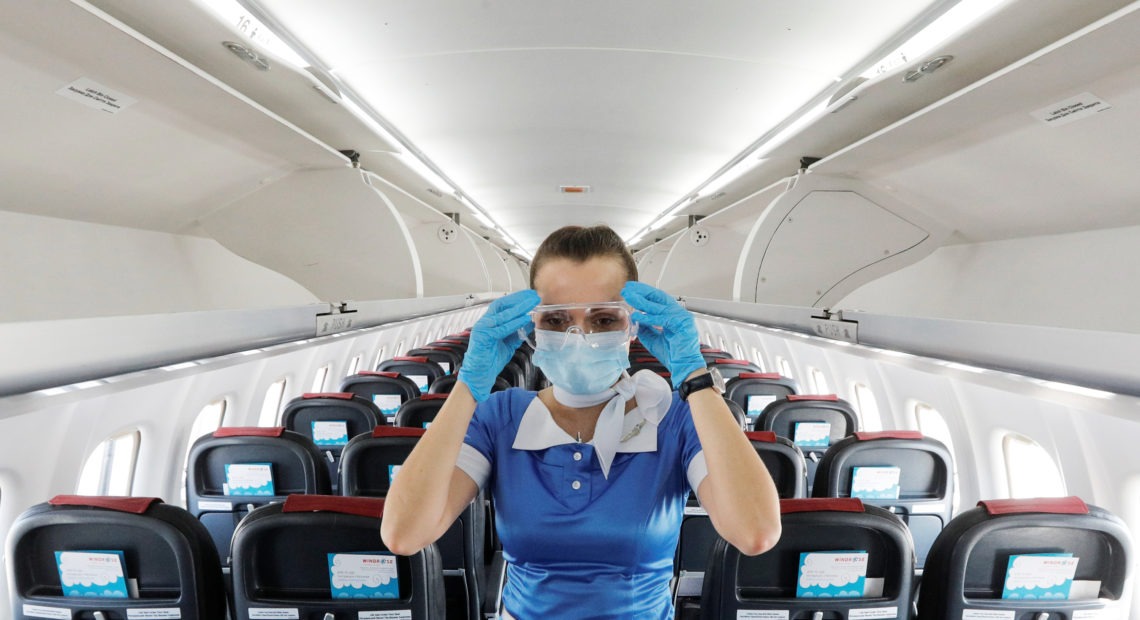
579, 244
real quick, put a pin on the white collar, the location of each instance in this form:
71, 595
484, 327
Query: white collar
538, 431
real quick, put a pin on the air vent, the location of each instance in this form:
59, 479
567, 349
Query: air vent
574, 189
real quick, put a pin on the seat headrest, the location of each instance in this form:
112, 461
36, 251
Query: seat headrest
761, 436
803, 397
398, 431
134, 505
759, 375
373, 373
865, 436
733, 362
410, 358
362, 506
821, 504
433, 397
1071, 505
336, 395
250, 431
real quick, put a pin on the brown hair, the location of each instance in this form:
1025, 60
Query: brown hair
579, 244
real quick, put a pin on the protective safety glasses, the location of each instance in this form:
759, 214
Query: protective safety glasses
560, 321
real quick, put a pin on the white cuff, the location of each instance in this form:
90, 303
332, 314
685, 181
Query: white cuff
698, 471
475, 465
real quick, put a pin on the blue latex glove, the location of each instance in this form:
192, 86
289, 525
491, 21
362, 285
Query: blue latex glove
494, 339
666, 329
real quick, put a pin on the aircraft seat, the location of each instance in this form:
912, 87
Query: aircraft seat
286, 461
369, 465
730, 368
444, 385
419, 412
330, 419
906, 473
756, 390
447, 358
388, 390
168, 566
817, 534
288, 558
419, 369
812, 422
987, 555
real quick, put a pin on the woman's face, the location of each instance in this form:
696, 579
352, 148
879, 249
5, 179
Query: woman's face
564, 281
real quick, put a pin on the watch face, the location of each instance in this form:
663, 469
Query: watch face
718, 380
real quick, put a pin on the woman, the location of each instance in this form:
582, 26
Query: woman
589, 477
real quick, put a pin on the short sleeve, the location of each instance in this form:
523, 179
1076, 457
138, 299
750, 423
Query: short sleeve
476, 456
692, 455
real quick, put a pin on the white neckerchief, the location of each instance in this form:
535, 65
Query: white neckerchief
615, 431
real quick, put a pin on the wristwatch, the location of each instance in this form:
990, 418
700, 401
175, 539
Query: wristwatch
711, 379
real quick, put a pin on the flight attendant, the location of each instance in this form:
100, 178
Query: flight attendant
589, 477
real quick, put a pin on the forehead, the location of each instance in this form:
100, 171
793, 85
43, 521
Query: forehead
565, 281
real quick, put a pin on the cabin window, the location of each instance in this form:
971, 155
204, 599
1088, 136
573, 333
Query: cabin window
785, 367
110, 469
818, 381
380, 356
271, 406
208, 420
320, 378
738, 351
758, 359
399, 349
723, 344
932, 424
868, 408
353, 366
1030, 470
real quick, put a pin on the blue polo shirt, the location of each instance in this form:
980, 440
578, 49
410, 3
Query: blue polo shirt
580, 544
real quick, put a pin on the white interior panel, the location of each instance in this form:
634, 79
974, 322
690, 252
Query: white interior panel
701, 263
651, 261
1080, 280
450, 267
327, 230
61, 269
823, 238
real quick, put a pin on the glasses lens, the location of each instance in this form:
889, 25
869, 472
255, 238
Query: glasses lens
587, 319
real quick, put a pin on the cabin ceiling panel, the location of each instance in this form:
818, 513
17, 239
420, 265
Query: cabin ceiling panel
648, 97
981, 163
186, 146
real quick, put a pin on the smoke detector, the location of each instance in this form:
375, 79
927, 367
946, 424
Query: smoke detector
447, 232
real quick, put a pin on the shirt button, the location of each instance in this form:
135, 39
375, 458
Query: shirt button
575, 485
577, 456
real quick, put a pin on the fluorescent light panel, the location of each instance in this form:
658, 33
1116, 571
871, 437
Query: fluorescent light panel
245, 23
960, 16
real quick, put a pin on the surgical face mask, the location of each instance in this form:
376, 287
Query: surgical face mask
582, 363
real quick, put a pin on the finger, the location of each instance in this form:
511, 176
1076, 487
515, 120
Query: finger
503, 330
646, 292
518, 302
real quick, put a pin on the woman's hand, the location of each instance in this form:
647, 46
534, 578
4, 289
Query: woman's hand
666, 329
494, 339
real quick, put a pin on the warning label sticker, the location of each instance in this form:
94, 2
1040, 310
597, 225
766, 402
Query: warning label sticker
94, 95
1064, 112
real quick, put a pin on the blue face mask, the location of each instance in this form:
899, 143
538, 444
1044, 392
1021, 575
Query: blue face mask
581, 363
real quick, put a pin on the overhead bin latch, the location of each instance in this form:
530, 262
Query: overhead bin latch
339, 319
832, 325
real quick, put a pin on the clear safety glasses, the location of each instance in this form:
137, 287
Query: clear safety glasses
554, 324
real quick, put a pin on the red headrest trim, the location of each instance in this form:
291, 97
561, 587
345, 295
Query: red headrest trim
398, 431
759, 375
640, 360
665, 373
735, 362
799, 397
363, 506
761, 436
453, 341
431, 348
1071, 505
865, 436
337, 395
433, 396
821, 504
410, 358
373, 373
135, 505
250, 431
